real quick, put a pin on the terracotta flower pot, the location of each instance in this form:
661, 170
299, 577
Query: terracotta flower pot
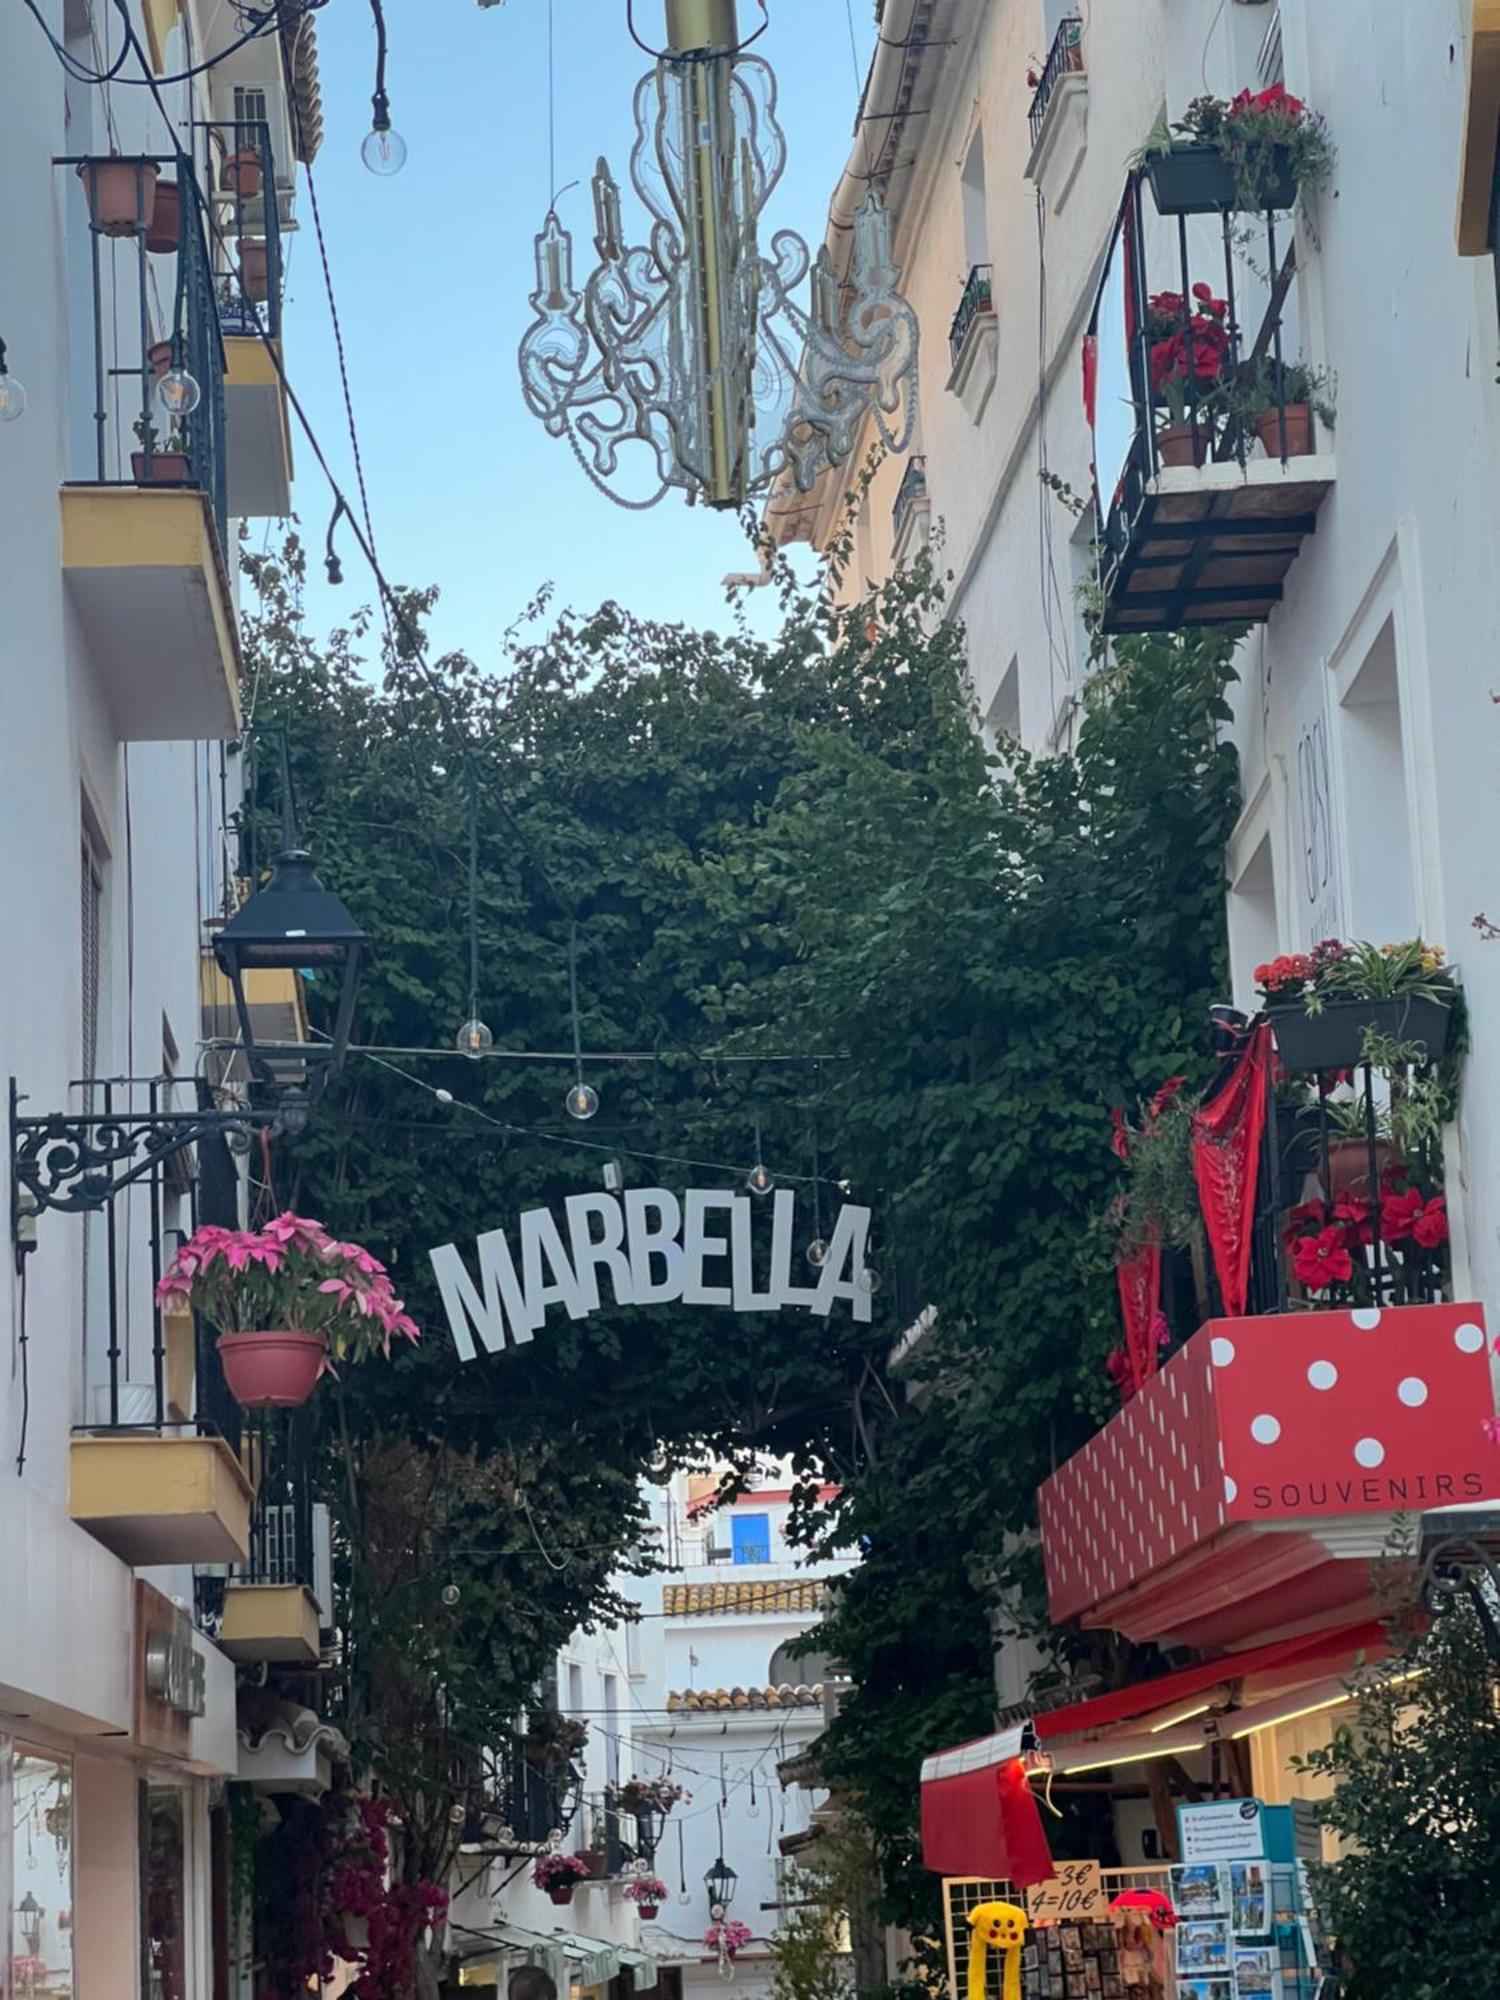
167, 468
164, 232
241, 173
255, 270
1177, 445
1349, 1165
1299, 438
121, 194
561, 1894
275, 1371
159, 354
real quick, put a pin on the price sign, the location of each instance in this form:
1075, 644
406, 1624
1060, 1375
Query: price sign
1074, 1895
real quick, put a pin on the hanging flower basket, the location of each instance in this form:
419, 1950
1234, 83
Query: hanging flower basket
121, 194
289, 1299
1333, 1037
560, 1875
648, 1893
164, 231
1322, 1003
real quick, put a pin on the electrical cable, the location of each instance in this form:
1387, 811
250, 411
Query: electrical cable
274, 19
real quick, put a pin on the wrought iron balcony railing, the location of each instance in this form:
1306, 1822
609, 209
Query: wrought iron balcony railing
1064, 58
246, 227
978, 298
912, 490
152, 307
518, 1804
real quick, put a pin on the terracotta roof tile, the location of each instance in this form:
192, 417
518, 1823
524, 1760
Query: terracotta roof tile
771, 1598
699, 1701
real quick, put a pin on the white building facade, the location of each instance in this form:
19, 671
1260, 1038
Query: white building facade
118, 707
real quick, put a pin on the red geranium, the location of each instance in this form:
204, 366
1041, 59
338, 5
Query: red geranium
1278, 100
1293, 968
1322, 1260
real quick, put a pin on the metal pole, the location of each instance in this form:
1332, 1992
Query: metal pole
158, 1342
114, 1304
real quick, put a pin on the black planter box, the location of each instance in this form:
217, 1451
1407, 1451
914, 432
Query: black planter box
1195, 179
1332, 1038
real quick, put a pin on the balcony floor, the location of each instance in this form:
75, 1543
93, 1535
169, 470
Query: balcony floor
1211, 545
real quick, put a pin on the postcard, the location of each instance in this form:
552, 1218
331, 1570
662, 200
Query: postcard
1249, 1898
1202, 1947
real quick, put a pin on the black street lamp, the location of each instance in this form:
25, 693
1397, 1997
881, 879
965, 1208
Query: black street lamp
29, 1915
293, 924
720, 1883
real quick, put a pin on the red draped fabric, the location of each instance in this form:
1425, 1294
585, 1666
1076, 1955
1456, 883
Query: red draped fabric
1226, 1159
985, 1822
1090, 377
1139, 1279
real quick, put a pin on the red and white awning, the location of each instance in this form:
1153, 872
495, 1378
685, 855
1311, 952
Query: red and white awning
978, 1813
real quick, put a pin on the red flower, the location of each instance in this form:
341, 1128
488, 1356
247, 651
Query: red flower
1307, 1215
1356, 1219
1204, 295
1398, 1213
1119, 1140
1322, 1260
1431, 1227
1291, 969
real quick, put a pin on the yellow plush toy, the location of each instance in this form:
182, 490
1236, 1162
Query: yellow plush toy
1003, 1927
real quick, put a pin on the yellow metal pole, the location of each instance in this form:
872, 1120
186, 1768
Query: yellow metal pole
694, 26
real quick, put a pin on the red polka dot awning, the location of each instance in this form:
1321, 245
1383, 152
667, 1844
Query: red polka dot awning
1248, 1486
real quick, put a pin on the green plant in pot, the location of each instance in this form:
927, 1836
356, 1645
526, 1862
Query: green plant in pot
289, 1301
1322, 1002
1252, 153
158, 464
1278, 400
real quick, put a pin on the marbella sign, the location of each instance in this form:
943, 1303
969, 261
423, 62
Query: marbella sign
646, 1247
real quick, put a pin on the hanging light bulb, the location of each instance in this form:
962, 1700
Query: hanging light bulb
760, 1179
178, 392
457, 1814
12, 393
868, 1281
473, 1038
451, 1594
817, 1253
582, 1101
384, 150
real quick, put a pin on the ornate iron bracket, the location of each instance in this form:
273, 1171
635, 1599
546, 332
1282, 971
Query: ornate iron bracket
77, 1162
1460, 1568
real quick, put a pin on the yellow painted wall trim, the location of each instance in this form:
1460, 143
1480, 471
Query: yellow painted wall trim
1481, 127
146, 1478
248, 365
275, 1613
162, 17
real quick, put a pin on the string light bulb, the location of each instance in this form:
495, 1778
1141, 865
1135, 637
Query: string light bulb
760, 1179
582, 1101
384, 149
12, 393
451, 1594
178, 392
474, 1038
868, 1281
817, 1253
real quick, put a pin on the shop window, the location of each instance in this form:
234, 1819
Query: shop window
42, 1877
164, 1890
1382, 887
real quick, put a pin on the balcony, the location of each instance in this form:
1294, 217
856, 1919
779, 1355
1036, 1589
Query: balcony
152, 1497
1058, 116
518, 1802
974, 342
1211, 460
144, 517
911, 515
1323, 1380
245, 226
271, 1613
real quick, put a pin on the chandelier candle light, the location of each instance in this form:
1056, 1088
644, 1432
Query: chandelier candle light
693, 343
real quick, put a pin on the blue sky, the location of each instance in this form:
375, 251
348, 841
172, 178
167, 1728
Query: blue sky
432, 270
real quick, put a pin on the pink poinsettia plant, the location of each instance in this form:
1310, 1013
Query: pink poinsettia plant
291, 1275
729, 1937
648, 1889
558, 1871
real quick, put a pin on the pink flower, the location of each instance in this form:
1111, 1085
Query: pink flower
1491, 1428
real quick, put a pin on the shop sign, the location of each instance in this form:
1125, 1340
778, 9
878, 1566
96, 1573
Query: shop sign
1075, 1895
1227, 1830
170, 1674
648, 1247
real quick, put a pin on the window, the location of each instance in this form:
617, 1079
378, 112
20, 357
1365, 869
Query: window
41, 1890
575, 1688
1002, 719
164, 1890
975, 214
1253, 927
1382, 889
750, 1538
612, 1731
91, 929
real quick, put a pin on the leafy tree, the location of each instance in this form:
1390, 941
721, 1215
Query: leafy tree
800, 894
1417, 1806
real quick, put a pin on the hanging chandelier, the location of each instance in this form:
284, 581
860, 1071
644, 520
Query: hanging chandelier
692, 343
